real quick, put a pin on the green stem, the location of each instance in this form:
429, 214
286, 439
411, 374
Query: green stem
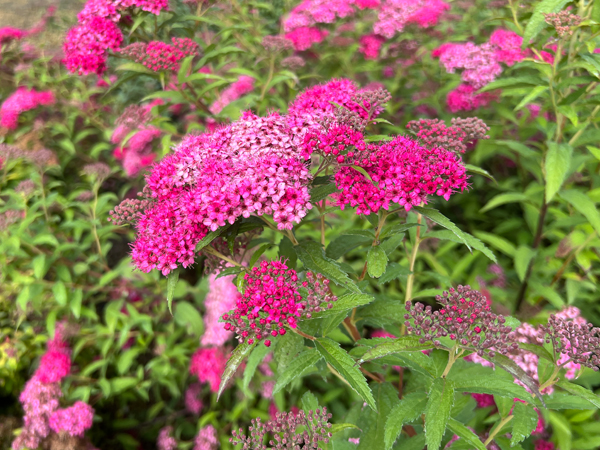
413, 257
212, 251
497, 429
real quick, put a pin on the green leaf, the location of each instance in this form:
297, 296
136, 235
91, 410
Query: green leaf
511, 82
504, 405
320, 192
397, 228
479, 171
76, 301
580, 391
376, 262
210, 237
582, 203
135, 67
337, 427
537, 22
364, 173
286, 349
570, 112
523, 257
393, 271
172, 280
258, 253
236, 358
442, 220
39, 266
286, 250
402, 344
562, 400
437, 412
299, 365
538, 350
217, 52
309, 402
258, 354
500, 243
410, 408
392, 243
524, 422
473, 241
126, 360
345, 303
345, 366
556, 165
464, 433
372, 423
531, 96
118, 385
312, 256
493, 385
60, 293
184, 69
187, 315
501, 199
345, 243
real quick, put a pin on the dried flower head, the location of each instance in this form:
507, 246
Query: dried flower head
274, 298
435, 133
277, 43
284, 431
97, 170
464, 317
293, 62
26, 187
134, 116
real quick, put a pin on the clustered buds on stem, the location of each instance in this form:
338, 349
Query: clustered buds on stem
562, 22
579, 341
272, 300
465, 318
283, 429
435, 133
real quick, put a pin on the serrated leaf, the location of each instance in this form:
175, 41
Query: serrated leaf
537, 350
437, 412
345, 366
309, 402
397, 228
523, 257
391, 243
210, 237
376, 262
501, 199
372, 423
135, 67
172, 280
464, 433
187, 315
580, 391
300, 364
345, 243
473, 241
236, 358
337, 427
442, 220
409, 409
524, 422
256, 357
584, 205
320, 192
500, 243
393, 271
504, 405
402, 344
479, 171
537, 21
556, 165
345, 303
286, 349
563, 400
491, 385
312, 256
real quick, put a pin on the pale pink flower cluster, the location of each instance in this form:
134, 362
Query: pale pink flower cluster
222, 297
40, 399
208, 365
165, 441
87, 44
480, 65
370, 45
22, 100
395, 15
237, 89
206, 439
193, 403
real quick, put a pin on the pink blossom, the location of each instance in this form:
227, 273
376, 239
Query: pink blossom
158, 56
208, 365
206, 439
304, 37
22, 100
484, 400
508, 46
86, 45
464, 98
54, 366
8, 34
394, 15
165, 441
193, 403
239, 88
541, 444
74, 420
221, 297
370, 45
311, 12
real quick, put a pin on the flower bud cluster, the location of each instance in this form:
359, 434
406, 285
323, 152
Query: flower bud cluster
562, 22
464, 317
128, 211
157, 55
274, 298
284, 431
277, 44
435, 133
576, 339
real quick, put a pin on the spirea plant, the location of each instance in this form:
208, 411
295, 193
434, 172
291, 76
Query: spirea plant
343, 224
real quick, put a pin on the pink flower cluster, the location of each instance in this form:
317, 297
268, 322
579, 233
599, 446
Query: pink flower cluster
40, 399
87, 44
247, 168
237, 89
480, 65
206, 439
272, 301
370, 45
165, 441
393, 16
401, 171
8, 34
157, 55
208, 365
222, 297
193, 402
21, 100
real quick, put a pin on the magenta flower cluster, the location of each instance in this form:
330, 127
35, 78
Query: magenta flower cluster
157, 55
222, 297
235, 90
208, 365
87, 44
273, 300
22, 100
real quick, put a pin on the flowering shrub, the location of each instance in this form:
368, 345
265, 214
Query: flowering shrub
337, 224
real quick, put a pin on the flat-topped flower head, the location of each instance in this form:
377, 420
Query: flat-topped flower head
435, 133
465, 318
275, 298
74, 420
208, 365
54, 366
